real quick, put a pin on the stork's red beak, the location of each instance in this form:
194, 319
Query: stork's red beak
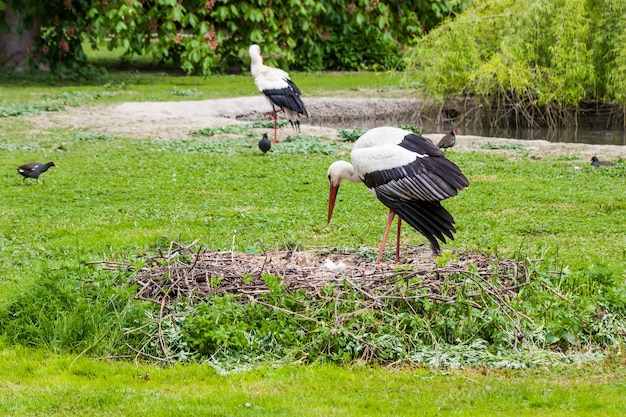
331, 200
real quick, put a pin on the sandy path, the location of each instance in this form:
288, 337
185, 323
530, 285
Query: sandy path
166, 120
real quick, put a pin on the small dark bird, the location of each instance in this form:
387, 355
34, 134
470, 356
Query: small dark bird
34, 169
265, 144
597, 163
448, 140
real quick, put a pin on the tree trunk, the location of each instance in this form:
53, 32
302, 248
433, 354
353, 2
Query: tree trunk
15, 48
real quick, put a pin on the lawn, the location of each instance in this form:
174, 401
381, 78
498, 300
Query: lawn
35, 383
120, 199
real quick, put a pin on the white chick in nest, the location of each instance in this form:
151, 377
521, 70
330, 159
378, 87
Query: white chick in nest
337, 268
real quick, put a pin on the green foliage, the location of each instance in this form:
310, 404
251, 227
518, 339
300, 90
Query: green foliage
64, 26
351, 135
222, 130
534, 59
608, 49
208, 36
503, 145
411, 128
335, 326
75, 311
305, 145
22, 109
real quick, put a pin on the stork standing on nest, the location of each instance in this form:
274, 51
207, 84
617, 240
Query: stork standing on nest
281, 92
408, 174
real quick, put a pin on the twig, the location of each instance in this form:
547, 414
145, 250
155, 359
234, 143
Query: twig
555, 292
283, 310
138, 352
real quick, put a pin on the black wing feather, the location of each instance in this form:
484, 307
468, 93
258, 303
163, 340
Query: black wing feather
428, 179
414, 191
420, 144
429, 218
288, 97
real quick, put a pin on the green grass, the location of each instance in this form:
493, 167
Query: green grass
115, 198
112, 195
27, 92
35, 383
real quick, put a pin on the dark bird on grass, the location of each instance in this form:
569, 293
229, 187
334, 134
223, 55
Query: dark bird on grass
408, 174
34, 169
597, 163
265, 144
448, 140
281, 92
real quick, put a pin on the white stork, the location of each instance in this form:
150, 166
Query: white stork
278, 88
408, 174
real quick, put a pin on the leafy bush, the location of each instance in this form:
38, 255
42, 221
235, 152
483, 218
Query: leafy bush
300, 326
207, 36
351, 135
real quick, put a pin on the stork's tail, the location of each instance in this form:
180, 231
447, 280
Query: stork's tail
430, 219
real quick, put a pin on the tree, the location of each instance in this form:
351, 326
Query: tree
15, 40
533, 62
51, 33
204, 36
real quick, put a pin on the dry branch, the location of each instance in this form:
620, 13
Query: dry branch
199, 274
330, 278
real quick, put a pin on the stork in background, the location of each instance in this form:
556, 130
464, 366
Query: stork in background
281, 92
408, 174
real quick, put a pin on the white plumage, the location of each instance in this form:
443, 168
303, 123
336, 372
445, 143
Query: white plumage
408, 174
281, 92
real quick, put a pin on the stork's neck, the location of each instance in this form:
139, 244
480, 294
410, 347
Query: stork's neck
340, 171
256, 63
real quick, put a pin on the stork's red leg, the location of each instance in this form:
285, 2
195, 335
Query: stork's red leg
398, 241
275, 123
382, 244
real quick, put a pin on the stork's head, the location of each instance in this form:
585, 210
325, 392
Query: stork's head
337, 172
255, 50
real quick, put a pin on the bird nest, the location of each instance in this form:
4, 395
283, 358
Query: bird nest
182, 273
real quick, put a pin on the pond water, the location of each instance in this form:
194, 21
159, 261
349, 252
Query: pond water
588, 133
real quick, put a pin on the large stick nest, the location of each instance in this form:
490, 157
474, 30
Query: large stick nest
477, 280
188, 274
